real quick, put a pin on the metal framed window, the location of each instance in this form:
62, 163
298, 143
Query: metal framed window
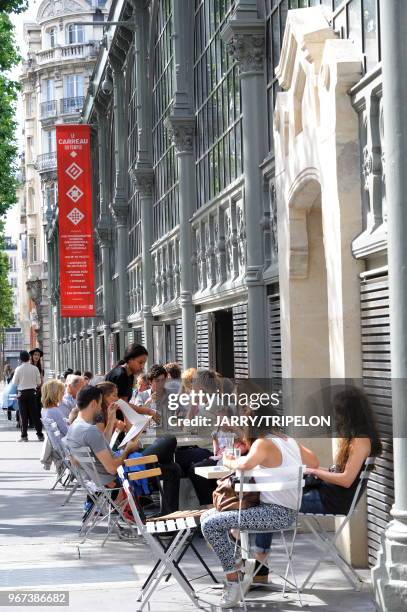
132, 143
217, 103
165, 209
354, 19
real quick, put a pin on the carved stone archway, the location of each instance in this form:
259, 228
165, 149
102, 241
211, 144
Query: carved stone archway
318, 188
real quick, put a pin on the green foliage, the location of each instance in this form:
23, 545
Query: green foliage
9, 58
13, 6
6, 292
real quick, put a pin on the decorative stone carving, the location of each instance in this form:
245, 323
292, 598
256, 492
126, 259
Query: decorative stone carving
241, 239
228, 243
34, 288
367, 166
248, 50
182, 132
273, 222
143, 179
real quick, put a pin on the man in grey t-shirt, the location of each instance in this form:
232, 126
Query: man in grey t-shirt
83, 432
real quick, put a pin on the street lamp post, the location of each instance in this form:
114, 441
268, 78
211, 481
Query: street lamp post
390, 573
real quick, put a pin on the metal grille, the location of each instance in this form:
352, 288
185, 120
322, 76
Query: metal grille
240, 341
178, 341
202, 340
274, 325
377, 384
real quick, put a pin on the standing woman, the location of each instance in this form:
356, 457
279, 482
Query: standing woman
36, 360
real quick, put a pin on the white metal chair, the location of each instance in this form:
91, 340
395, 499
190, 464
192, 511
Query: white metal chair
65, 475
327, 543
166, 559
283, 479
103, 505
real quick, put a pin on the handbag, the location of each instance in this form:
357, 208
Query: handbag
225, 497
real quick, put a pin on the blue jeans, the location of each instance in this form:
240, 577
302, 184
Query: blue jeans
311, 502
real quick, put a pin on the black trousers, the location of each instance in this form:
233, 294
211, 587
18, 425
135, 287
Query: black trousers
29, 408
204, 487
164, 448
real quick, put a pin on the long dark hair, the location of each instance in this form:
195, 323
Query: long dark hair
106, 388
354, 418
38, 364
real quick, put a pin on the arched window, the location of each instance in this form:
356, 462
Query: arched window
51, 37
76, 33
217, 103
165, 212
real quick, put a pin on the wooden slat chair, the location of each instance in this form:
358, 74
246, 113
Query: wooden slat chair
104, 507
179, 529
328, 543
65, 476
284, 479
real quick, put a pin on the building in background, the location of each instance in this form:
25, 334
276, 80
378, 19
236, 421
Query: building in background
55, 77
12, 338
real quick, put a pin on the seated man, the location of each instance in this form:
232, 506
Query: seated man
84, 432
73, 385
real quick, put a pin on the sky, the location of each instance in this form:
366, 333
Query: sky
12, 227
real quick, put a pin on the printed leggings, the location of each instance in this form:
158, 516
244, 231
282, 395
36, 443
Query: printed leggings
216, 526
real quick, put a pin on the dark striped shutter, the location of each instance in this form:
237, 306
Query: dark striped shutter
202, 339
375, 321
274, 325
240, 341
88, 361
178, 341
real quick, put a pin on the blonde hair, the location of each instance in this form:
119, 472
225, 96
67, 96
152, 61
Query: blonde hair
52, 393
187, 378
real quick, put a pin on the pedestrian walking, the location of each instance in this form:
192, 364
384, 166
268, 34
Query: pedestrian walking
28, 379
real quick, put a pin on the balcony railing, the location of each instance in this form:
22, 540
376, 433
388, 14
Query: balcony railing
47, 161
76, 50
48, 108
71, 105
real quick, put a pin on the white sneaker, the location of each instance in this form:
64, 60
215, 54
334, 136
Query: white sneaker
233, 592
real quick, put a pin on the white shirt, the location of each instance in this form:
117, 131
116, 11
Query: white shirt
290, 458
26, 376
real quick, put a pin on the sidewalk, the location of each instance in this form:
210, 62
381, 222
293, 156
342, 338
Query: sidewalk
39, 548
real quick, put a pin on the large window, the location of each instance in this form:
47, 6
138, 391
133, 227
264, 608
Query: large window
135, 213
51, 37
165, 213
73, 86
75, 33
217, 103
353, 19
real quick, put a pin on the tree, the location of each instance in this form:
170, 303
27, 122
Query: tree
9, 58
6, 292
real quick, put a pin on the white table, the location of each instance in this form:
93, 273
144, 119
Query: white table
212, 472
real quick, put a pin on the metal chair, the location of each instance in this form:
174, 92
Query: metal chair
327, 543
283, 479
104, 506
61, 461
179, 529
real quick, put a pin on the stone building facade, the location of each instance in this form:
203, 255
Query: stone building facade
54, 80
240, 200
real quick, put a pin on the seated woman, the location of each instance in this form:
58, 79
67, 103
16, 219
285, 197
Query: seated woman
205, 487
276, 509
333, 489
107, 422
52, 393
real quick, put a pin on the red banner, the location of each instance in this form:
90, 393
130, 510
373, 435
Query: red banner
76, 265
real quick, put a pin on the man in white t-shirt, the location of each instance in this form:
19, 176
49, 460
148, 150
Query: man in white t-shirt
28, 380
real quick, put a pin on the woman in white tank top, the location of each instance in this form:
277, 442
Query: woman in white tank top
276, 510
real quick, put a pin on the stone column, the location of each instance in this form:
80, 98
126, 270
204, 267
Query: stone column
244, 36
182, 130
119, 205
143, 174
104, 228
143, 178
390, 573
